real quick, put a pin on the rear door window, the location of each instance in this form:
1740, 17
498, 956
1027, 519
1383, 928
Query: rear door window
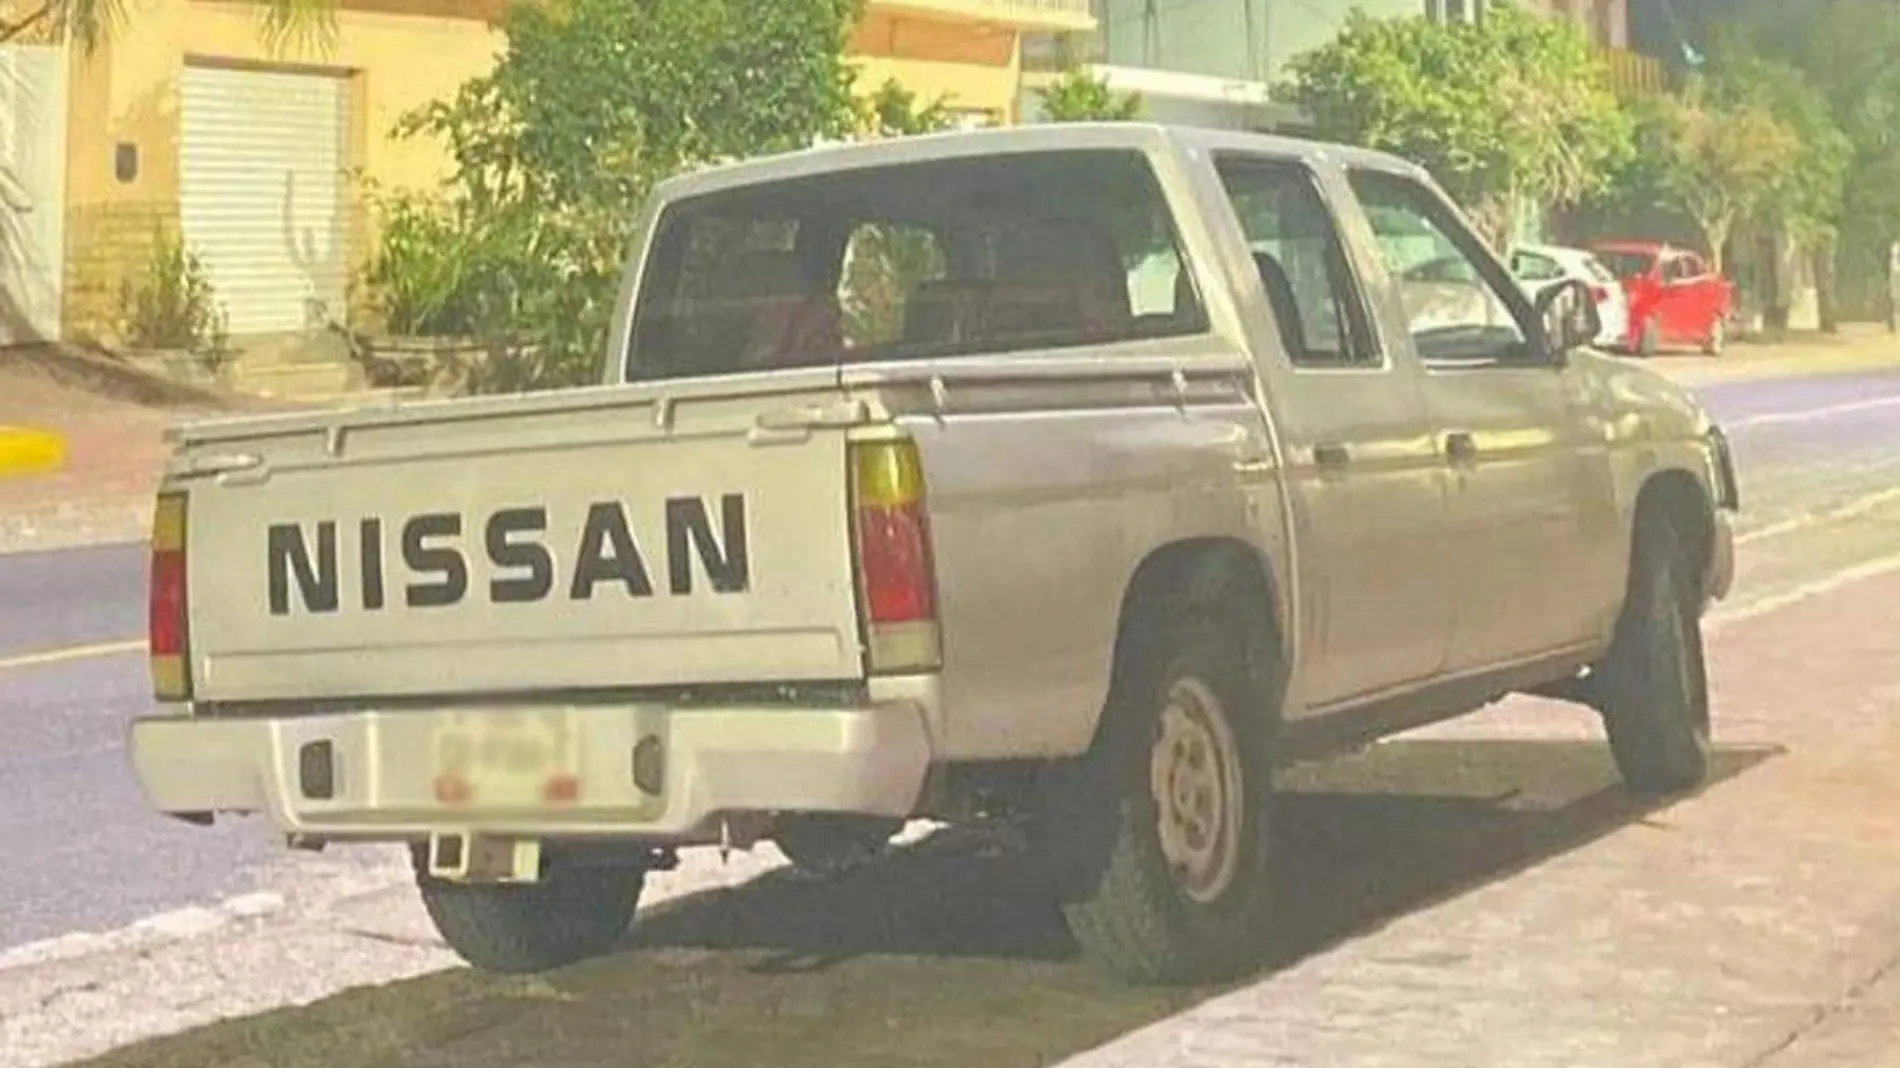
994, 254
1301, 262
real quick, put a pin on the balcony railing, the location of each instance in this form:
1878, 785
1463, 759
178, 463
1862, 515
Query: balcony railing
1033, 15
1634, 74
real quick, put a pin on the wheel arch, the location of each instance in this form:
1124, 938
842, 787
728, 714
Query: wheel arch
1206, 571
1678, 497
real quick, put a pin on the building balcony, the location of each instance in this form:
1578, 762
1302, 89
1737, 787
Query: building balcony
1029, 16
1635, 74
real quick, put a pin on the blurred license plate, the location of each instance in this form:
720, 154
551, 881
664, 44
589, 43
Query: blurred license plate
491, 758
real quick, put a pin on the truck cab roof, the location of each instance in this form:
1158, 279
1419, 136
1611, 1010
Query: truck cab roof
1143, 136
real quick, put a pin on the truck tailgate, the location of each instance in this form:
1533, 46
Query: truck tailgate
598, 539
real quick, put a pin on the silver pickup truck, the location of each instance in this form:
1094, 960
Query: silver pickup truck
1077, 475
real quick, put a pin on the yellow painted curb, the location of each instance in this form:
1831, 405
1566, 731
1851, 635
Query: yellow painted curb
26, 451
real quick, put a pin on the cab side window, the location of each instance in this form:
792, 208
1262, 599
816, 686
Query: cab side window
1455, 309
1301, 262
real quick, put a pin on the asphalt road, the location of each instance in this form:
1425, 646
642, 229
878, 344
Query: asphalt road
83, 854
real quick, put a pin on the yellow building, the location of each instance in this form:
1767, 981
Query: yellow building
968, 51
186, 119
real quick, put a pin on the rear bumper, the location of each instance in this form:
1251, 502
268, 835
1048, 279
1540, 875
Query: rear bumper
383, 783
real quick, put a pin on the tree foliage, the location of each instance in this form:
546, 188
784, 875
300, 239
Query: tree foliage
894, 111
1721, 160
1748, 144
1807, 195
1513, 112
591, 103
1080, 96
1849, 53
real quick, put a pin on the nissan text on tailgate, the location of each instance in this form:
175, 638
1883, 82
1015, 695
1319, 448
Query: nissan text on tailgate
1078, 476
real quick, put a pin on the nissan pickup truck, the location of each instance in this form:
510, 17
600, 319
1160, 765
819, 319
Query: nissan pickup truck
1078, 475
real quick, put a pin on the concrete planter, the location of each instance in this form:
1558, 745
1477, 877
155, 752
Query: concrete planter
440, 365
177, 365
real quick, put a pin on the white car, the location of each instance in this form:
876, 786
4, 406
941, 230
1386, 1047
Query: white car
1537, 267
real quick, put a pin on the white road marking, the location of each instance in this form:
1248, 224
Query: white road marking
1808, 414
1806, 591
1858, 507
70, 654
175, 925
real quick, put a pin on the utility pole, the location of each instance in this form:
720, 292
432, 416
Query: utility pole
1150, 33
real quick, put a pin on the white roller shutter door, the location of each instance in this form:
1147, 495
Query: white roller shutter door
261, 194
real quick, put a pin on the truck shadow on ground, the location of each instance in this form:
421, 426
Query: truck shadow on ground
950, 953
1362, 840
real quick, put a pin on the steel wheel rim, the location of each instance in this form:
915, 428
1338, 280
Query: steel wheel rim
1196, 783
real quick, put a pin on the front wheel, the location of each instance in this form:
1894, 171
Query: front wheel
1649, 339
1175, 799
572, 914
1653, 684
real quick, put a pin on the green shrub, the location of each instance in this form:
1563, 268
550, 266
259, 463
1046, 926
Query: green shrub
421, 279
174, 306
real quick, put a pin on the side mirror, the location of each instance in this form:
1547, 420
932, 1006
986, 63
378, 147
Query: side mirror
1570, 318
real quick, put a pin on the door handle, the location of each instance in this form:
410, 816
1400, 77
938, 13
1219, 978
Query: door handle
1331, 455
1460, 447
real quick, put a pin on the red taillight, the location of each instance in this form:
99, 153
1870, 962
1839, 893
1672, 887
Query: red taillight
167, 637
167, 631
1599, 294
894, 555
897, 593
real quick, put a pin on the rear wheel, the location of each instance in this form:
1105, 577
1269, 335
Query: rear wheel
1649, 340
572, 914
1164, 841
1653, 684
1717, 339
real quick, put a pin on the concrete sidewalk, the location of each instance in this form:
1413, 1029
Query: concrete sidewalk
1757, 926
102, 490
109, 420
1858, 347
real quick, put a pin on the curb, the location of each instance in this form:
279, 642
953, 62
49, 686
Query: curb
99, 373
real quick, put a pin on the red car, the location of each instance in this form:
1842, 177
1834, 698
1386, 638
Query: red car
1674, 298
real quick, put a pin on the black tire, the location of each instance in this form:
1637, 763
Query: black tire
1653, 683
1649, 340
1127, 904
571, 915
823, 842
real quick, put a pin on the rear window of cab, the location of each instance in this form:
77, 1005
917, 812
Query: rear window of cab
991, 254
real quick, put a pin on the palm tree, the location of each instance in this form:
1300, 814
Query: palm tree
90, 22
